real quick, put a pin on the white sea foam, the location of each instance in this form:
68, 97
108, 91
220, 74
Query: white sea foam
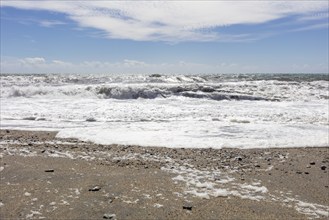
244, 111
157, 205
192, 179
261, 189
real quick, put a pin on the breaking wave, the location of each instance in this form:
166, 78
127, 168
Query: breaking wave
131, 92
213, 87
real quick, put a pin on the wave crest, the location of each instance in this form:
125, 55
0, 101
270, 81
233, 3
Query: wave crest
132, 92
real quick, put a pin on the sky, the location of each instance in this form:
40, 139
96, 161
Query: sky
172, 37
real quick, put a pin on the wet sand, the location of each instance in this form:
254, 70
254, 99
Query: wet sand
46, 177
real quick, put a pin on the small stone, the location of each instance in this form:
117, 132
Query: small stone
257, 165
43, 151
308, 166
30, 144
306, 172
109, 216
187, 207
299, 172
323, 167
7, 131
49, 170
312, 163
95, 188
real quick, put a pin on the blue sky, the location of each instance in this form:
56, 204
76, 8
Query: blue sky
164, 37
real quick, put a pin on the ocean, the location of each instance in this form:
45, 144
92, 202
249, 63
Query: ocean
188, 111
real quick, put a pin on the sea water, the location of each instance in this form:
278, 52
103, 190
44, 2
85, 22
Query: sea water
190, 111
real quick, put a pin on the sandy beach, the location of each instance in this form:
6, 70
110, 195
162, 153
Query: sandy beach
46, 177
159, 109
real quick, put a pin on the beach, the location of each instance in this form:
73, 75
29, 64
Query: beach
47, 177
164, 110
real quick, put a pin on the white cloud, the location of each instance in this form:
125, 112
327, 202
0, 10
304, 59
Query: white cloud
61, 63
172, 21
35, 61
41, 65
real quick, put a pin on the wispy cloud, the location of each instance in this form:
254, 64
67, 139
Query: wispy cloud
172, 21
50, 23
312, 27
31, 21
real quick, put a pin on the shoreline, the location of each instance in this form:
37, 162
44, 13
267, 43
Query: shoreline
227, 183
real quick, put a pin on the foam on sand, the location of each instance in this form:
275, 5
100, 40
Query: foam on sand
201, 183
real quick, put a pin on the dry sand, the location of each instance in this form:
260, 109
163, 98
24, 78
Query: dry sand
46, 177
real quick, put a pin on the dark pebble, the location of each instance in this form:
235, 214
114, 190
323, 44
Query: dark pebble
306, 172
30, 144
49, 170
187, 207
323, 167
7, 131
43, 151
312, 163
299, 172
